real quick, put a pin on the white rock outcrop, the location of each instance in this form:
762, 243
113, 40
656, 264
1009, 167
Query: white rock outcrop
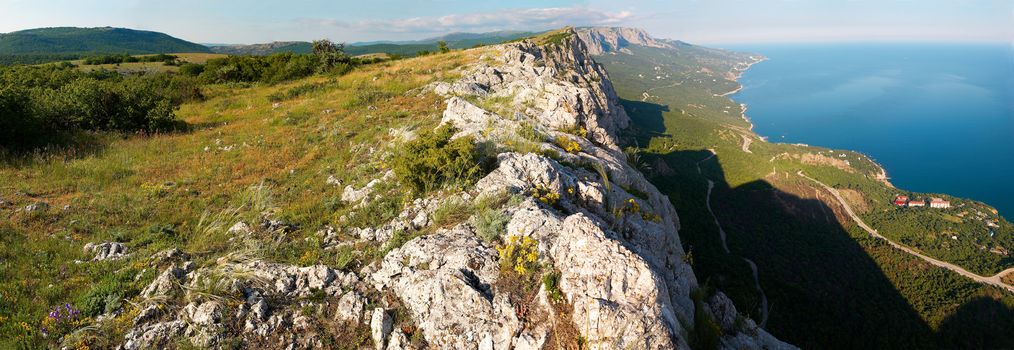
106, 250
619, 254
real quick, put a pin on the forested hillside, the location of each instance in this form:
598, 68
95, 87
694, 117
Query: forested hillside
54, 44
784, 248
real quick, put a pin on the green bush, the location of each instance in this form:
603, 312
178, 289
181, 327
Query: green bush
106, 295
38, 105
491, 223
191, 69
433, 160
551, 281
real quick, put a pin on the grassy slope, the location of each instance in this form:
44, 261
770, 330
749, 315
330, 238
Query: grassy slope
244, 156
134, 67
826, 280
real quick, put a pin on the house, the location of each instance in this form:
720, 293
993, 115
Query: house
901, 201
917, 203
939, 203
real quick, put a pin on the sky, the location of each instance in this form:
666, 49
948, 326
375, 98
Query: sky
696, 21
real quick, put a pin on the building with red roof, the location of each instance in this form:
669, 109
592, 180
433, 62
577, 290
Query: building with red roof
901, 201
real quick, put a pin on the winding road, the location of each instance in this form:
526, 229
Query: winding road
725, 247
994, 280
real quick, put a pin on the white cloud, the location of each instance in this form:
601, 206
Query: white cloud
532, 18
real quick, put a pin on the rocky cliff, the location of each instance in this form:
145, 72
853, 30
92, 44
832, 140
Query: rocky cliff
599, 40
572, 205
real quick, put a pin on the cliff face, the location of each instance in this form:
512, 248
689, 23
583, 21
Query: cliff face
584, 213
625, 272
601, 40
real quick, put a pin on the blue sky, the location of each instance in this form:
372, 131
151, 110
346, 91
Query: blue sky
699, 21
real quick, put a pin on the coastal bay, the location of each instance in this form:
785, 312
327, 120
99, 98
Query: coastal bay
938, 117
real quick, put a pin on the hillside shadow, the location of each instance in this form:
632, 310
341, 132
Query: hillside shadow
818, 280
824, 289
825, 285
66, 146
647, 117
982, 323
78, 144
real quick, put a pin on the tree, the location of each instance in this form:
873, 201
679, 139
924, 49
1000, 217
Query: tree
331, 56
442, 46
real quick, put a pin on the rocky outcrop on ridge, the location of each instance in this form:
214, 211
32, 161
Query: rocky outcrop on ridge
619, 255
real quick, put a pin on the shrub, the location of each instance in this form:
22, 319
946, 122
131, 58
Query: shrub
433, 160
331, 57
491, 223
551, 281
191, 69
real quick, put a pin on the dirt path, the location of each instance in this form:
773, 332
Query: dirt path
725, 247
746, 143
991, 280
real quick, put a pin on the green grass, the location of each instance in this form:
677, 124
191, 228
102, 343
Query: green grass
163, 191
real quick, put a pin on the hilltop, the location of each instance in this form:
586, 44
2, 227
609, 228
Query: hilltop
93, 40
34, 45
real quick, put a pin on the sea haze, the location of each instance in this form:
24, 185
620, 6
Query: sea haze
938, 117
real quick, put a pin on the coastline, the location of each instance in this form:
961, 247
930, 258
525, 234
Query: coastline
737, 72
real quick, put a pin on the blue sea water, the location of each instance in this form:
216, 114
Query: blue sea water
938, 117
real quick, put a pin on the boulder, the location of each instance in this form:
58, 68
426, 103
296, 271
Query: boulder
445, 281
37, 206
381, 325
350, 308
106, 250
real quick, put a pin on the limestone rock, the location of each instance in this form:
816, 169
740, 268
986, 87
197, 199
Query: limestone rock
168, 281
154, 335
106, 250
398, 341
381, 325
37, 206
240, 228
350, 308
445, 281
205, 314
352, 195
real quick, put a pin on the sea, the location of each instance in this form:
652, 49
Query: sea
938, 116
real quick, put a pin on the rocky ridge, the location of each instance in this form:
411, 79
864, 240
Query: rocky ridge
601, 40
610, 234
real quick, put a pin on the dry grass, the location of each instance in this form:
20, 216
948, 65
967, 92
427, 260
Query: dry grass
1008, 279
130, 187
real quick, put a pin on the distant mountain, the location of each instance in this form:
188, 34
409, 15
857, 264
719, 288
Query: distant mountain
602, 40
406, 48
264, 49
70, 40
